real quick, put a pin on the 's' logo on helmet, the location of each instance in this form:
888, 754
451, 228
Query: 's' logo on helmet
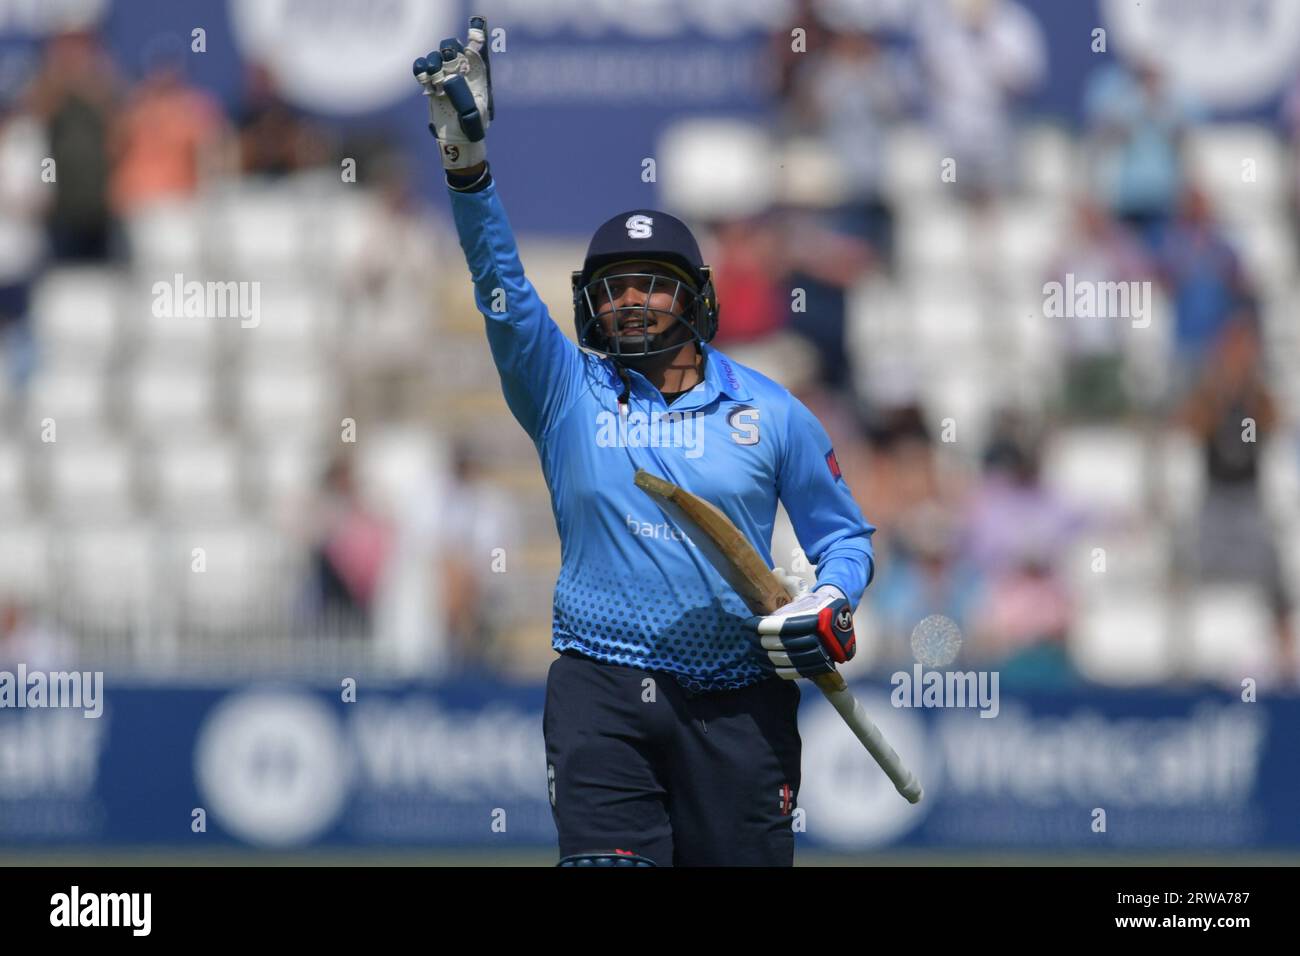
638, 227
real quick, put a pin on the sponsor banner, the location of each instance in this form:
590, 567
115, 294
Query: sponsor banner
290, 765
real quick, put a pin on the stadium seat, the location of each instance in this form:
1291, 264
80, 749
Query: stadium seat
286, 400
13, 481
1268, 250
912, 159
1179, 475
947, 319
397, 463
25, 570
107, 573
166, 236
75, 313
1280, 476
342, 226
1123, 639
194, 477
171, 399
89, 479
935, 238
1215, 156
72, 394
169, 334
283, 471
716, 168
1230, 633
1026, 234
1100, 468
1136, 556
1049, 161
293, 317
245, 581
260, 231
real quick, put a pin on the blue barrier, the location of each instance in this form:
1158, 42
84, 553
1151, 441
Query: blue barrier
462, 765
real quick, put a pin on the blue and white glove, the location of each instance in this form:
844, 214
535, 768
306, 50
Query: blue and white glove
808, 636
457, 79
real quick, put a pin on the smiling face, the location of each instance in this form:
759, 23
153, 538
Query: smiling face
639, 299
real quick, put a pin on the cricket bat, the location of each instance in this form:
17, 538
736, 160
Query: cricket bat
762, 591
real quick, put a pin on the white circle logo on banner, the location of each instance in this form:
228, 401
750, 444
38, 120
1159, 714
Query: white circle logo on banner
849, 800
1229, 55
271, 766
342, 57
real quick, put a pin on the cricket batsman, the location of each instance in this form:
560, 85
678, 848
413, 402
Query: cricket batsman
670, 723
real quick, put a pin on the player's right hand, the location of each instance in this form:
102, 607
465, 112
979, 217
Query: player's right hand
457, 80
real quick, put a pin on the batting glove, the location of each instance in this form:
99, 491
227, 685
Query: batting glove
806, 637
457, 79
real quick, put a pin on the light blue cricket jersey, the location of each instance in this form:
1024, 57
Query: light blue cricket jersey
632, 588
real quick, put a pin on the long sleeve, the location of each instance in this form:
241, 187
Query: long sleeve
828, 522
540, 368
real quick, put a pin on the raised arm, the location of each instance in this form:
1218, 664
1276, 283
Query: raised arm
540, 368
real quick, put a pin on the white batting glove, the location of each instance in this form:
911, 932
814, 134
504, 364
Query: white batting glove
806, 637
457, 80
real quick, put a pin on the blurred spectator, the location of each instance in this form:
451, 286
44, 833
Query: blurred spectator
1012, 513
823, 263
469, 533
1290, 123
1233, 540
1016, 533
1098, 250
23, 199
168, 137
1136, 120
747, 270
274, 138
349, 555
24, 639
848, 96
74, 95
979, 56
924, 577
788, 60
1205, 281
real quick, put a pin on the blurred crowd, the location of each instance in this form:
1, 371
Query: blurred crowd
974, 528
978, 533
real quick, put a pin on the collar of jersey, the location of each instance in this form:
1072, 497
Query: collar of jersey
720, 378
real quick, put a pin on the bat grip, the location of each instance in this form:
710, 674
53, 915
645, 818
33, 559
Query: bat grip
855, 715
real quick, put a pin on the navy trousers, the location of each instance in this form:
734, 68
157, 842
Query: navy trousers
637, 762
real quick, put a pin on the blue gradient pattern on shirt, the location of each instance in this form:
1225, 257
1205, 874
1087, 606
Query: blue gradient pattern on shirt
632, 589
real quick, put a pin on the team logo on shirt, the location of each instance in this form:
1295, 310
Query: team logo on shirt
744, 418
787, 799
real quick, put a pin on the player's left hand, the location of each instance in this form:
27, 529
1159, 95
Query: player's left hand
806, 637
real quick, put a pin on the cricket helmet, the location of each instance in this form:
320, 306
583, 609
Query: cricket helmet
644, 235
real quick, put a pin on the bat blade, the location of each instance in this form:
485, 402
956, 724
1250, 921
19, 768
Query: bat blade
742, 567
722, 543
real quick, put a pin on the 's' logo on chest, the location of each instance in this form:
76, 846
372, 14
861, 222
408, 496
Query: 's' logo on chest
744, 421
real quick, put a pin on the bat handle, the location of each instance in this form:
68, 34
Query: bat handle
855, 715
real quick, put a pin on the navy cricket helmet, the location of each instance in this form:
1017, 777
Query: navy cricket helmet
643, 235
